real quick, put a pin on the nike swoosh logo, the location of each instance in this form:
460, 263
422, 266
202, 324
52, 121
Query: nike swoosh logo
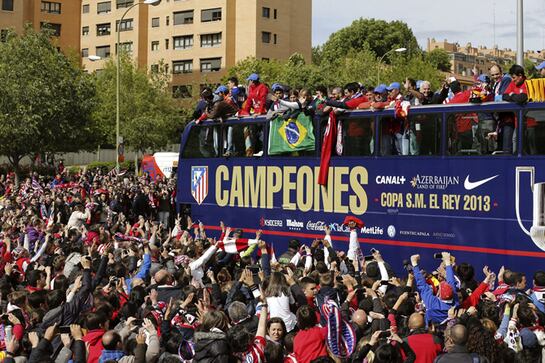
472, 185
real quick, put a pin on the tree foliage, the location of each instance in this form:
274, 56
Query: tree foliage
45, 98
148, 113
439, 58
378, 36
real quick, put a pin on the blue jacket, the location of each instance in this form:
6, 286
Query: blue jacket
142, 272
436, 309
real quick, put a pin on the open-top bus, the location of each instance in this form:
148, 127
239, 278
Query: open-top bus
455, 195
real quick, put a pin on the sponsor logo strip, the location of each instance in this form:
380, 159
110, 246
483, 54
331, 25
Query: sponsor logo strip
430, 245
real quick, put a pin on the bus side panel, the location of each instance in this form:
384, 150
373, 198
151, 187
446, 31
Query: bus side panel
409, 205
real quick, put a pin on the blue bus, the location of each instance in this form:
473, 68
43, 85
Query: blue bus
450, 192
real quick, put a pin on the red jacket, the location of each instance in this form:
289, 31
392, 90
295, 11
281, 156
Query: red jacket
94, 339
464, 121
257, 97
310, 344
426, 346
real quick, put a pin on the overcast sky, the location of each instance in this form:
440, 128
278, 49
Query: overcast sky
459, 21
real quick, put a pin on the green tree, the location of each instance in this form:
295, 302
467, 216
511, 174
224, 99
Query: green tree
148, 114
45, 98
378, 36
439, 58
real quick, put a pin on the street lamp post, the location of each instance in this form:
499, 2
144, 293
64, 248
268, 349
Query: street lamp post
397, 50
118, 31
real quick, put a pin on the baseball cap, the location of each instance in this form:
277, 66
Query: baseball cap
277, 87
253, 77
381, 88
221, 89
393, 85
540, 66
483, 78
445, 291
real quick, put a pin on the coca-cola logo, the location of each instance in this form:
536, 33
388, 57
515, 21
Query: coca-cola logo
316, 226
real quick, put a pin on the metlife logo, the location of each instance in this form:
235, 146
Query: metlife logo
375, 230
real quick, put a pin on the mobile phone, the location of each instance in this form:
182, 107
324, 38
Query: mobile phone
64, 329
438, 256
137, 322
384, 283
368, 258
385, 334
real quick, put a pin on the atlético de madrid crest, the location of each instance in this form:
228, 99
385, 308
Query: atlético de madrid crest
199, 183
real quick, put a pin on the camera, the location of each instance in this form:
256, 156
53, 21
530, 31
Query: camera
368, 258
438, 256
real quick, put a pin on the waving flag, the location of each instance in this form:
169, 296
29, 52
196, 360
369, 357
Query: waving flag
291, 135
327, 146
235, 245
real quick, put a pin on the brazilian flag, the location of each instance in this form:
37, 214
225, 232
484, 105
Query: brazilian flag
291, 135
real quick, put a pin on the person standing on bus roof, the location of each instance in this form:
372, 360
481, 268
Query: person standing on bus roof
352, 98
516, 92
500, 81
257, 97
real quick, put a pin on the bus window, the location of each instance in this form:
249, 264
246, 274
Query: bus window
243, 139
358, 136
416, 135
425, 134
534, 133
462, 134
202, 142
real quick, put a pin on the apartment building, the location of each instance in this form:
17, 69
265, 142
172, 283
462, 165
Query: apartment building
62, 16
464, 59
196, 40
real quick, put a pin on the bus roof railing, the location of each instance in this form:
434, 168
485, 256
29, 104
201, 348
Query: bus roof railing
414, 110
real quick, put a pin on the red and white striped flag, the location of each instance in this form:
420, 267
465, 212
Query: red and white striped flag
235, 245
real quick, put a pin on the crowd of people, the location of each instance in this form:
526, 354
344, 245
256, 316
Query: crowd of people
100, 268
481, 133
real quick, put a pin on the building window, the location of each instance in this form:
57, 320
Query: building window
85, 9
211, 15
275, 14
182, 91
210, 65
104, 7
85, 30
155, 45
3, 35
126, 25
85, 52
266, 12
266, 37
56, 28
210, 40
124, 3
275, 39
182, 66
51, 8
103, 29
183, 17
183, 42
168, 20
103, 51
166, 43
154, 68
7, 5
125, 47
265, 59
154, 22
